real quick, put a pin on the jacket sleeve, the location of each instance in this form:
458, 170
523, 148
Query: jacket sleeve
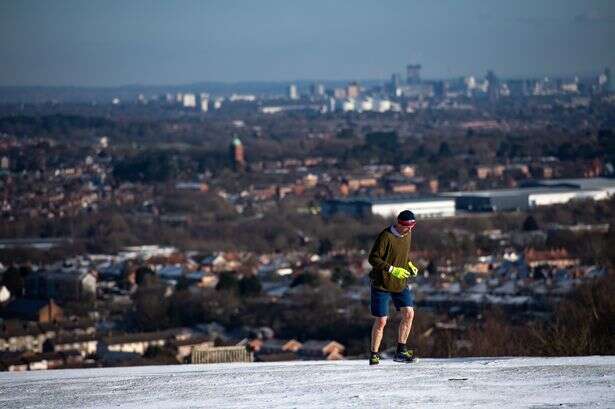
376, 256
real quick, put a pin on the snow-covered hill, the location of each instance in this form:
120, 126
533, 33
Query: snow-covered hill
579, 382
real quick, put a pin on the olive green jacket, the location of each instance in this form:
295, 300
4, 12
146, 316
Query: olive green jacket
389, 250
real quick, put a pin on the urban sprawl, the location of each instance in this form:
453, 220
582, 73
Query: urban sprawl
190, 227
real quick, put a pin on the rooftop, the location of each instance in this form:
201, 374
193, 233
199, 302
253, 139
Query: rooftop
395, 199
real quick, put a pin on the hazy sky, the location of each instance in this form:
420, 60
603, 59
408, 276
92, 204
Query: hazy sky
91, 42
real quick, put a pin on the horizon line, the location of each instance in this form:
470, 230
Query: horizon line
301, 80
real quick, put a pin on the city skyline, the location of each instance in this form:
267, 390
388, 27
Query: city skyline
156, 43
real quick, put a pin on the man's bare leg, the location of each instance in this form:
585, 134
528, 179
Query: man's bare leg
407, 315
377, 332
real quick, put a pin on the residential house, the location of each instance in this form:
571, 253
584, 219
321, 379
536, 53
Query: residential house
12, 362
358, 182
263, 192
72, 358
140, 342
132, 343
203, 279
184, 348
85, 344
400, 184
75, 285
181, 333
221, 262
408, 171
54, 360
275, 346
5, 294
255, 344
330, 350
33, 310
279, 357
482, 267
558, 258
23, 337
36, 362
213, 330
46, 360
171, 272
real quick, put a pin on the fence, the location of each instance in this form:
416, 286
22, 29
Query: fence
221, 355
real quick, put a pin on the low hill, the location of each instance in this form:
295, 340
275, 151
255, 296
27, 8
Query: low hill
566, 382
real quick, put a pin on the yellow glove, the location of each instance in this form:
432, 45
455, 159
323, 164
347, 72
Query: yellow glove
399, 272
414, 270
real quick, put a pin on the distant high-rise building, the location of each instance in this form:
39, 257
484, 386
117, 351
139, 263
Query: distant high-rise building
317, 90
604, 80
204, 104
352, 90
339, 93
519, 88
439, 90
413, 73
470, 83
493, 86
292, 91
237, 154
395, 80
570, 87
4, 163
189, 101
395, 84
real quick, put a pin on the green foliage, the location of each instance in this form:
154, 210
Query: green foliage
57, 123
346, 133
444, 150
182, 283
145, 276
227, 282
530, 224
147, 167
310, 279
385, 141
184, 309
609, 246
14, 281
324, 246
343, 277
582, 324
249, 286
606, 139
151, 307
153, 351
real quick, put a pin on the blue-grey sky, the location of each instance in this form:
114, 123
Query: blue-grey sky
104, 43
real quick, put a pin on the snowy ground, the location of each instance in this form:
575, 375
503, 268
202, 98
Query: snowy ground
579, 382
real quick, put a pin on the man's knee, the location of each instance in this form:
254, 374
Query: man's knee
407, 313
380, 322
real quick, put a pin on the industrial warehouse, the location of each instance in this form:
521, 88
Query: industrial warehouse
532, 194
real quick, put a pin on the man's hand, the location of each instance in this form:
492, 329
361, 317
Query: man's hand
414, 269
399, 272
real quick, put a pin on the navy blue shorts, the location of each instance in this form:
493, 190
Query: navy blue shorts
380, 301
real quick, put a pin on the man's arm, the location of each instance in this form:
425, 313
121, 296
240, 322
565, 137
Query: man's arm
376, 256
